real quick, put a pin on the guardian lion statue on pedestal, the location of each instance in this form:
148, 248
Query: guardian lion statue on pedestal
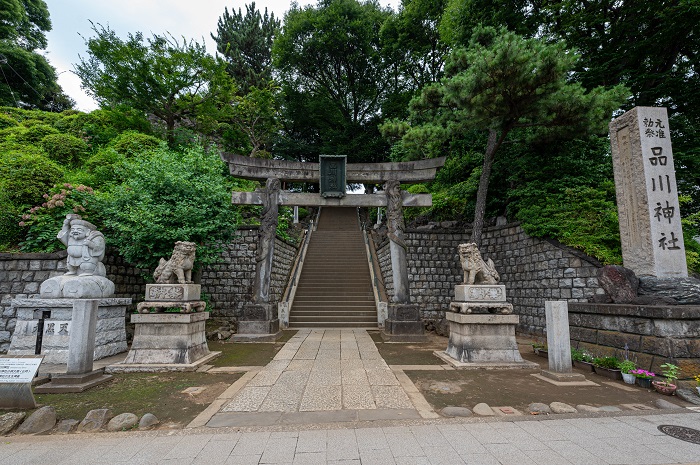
177, 270
476, 270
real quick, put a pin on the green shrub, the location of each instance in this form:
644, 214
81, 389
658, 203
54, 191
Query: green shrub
64, 148
132, 143
36, 133
10, 230
26, 176
13, 133
99, 127
611, 363
6, 121
44, 221
169, 196
104, 167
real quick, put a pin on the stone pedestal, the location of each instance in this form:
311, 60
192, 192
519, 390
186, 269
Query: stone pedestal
260, 323
164, 296
403, 324
168, 338
481, 298
56, 316
484, 341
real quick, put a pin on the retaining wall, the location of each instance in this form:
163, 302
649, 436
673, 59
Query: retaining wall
652, 334
533, 271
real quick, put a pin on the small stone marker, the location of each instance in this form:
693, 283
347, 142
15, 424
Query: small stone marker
559, 343
16, 375
647, 194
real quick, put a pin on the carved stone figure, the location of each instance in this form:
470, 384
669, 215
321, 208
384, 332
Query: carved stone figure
86, 277
86, 247
394, 213
476, 270
177, 270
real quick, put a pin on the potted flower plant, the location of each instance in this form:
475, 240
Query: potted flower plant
667, 386
608, 366
582, 359
626, 366
697, 381
643, 377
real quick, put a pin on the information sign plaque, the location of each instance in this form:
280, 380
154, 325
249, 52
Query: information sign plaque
18, 370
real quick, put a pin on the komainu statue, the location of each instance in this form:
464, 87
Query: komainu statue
476, 270
177, 270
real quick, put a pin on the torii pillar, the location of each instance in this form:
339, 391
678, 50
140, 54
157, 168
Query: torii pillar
404, 323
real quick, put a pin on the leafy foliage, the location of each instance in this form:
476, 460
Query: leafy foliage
25, 177
169, 196
44, 221
246, 44
64, 148
176, 81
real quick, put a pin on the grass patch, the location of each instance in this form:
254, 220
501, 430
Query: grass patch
410, 353
247, 353
140, 393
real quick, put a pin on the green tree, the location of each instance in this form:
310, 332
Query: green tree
502, 83
335, 78
175, 81
246, 44
27, 80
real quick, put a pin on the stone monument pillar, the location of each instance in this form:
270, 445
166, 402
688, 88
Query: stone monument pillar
404, 320
260, 320
482, 326
647, 194
559, 343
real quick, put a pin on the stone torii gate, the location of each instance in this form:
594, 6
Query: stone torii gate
260, 320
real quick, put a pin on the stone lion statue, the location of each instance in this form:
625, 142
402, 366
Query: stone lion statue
476, 270
177, 270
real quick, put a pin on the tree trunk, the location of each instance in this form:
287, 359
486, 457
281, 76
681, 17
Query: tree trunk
480, 209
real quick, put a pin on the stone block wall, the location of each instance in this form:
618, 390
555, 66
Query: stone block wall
533, 271
229, 283
653, 335
22, 274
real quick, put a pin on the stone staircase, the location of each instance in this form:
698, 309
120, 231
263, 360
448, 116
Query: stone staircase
335, 289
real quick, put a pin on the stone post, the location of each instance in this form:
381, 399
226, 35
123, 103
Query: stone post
266, 241
404, 319
558, 342
397, 245
260, 321
81, 346
296, 214
647, 194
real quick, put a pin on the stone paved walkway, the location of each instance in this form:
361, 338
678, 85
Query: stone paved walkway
321, 371
542, 441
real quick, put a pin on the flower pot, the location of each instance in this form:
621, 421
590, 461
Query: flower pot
628, 378
585, 366
644, 382
609, 373
662, 388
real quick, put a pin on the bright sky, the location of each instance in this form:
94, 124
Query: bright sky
193, 19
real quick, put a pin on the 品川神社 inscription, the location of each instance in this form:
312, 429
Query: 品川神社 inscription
647, 196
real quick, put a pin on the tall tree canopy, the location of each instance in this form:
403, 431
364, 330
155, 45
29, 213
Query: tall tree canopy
500, 83
175, 81
27, 79
246, 44
330, 58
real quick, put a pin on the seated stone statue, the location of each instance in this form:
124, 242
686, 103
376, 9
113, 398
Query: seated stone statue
177, 270
476, 270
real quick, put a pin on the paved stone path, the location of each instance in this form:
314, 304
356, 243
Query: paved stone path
339, 372
542, 441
